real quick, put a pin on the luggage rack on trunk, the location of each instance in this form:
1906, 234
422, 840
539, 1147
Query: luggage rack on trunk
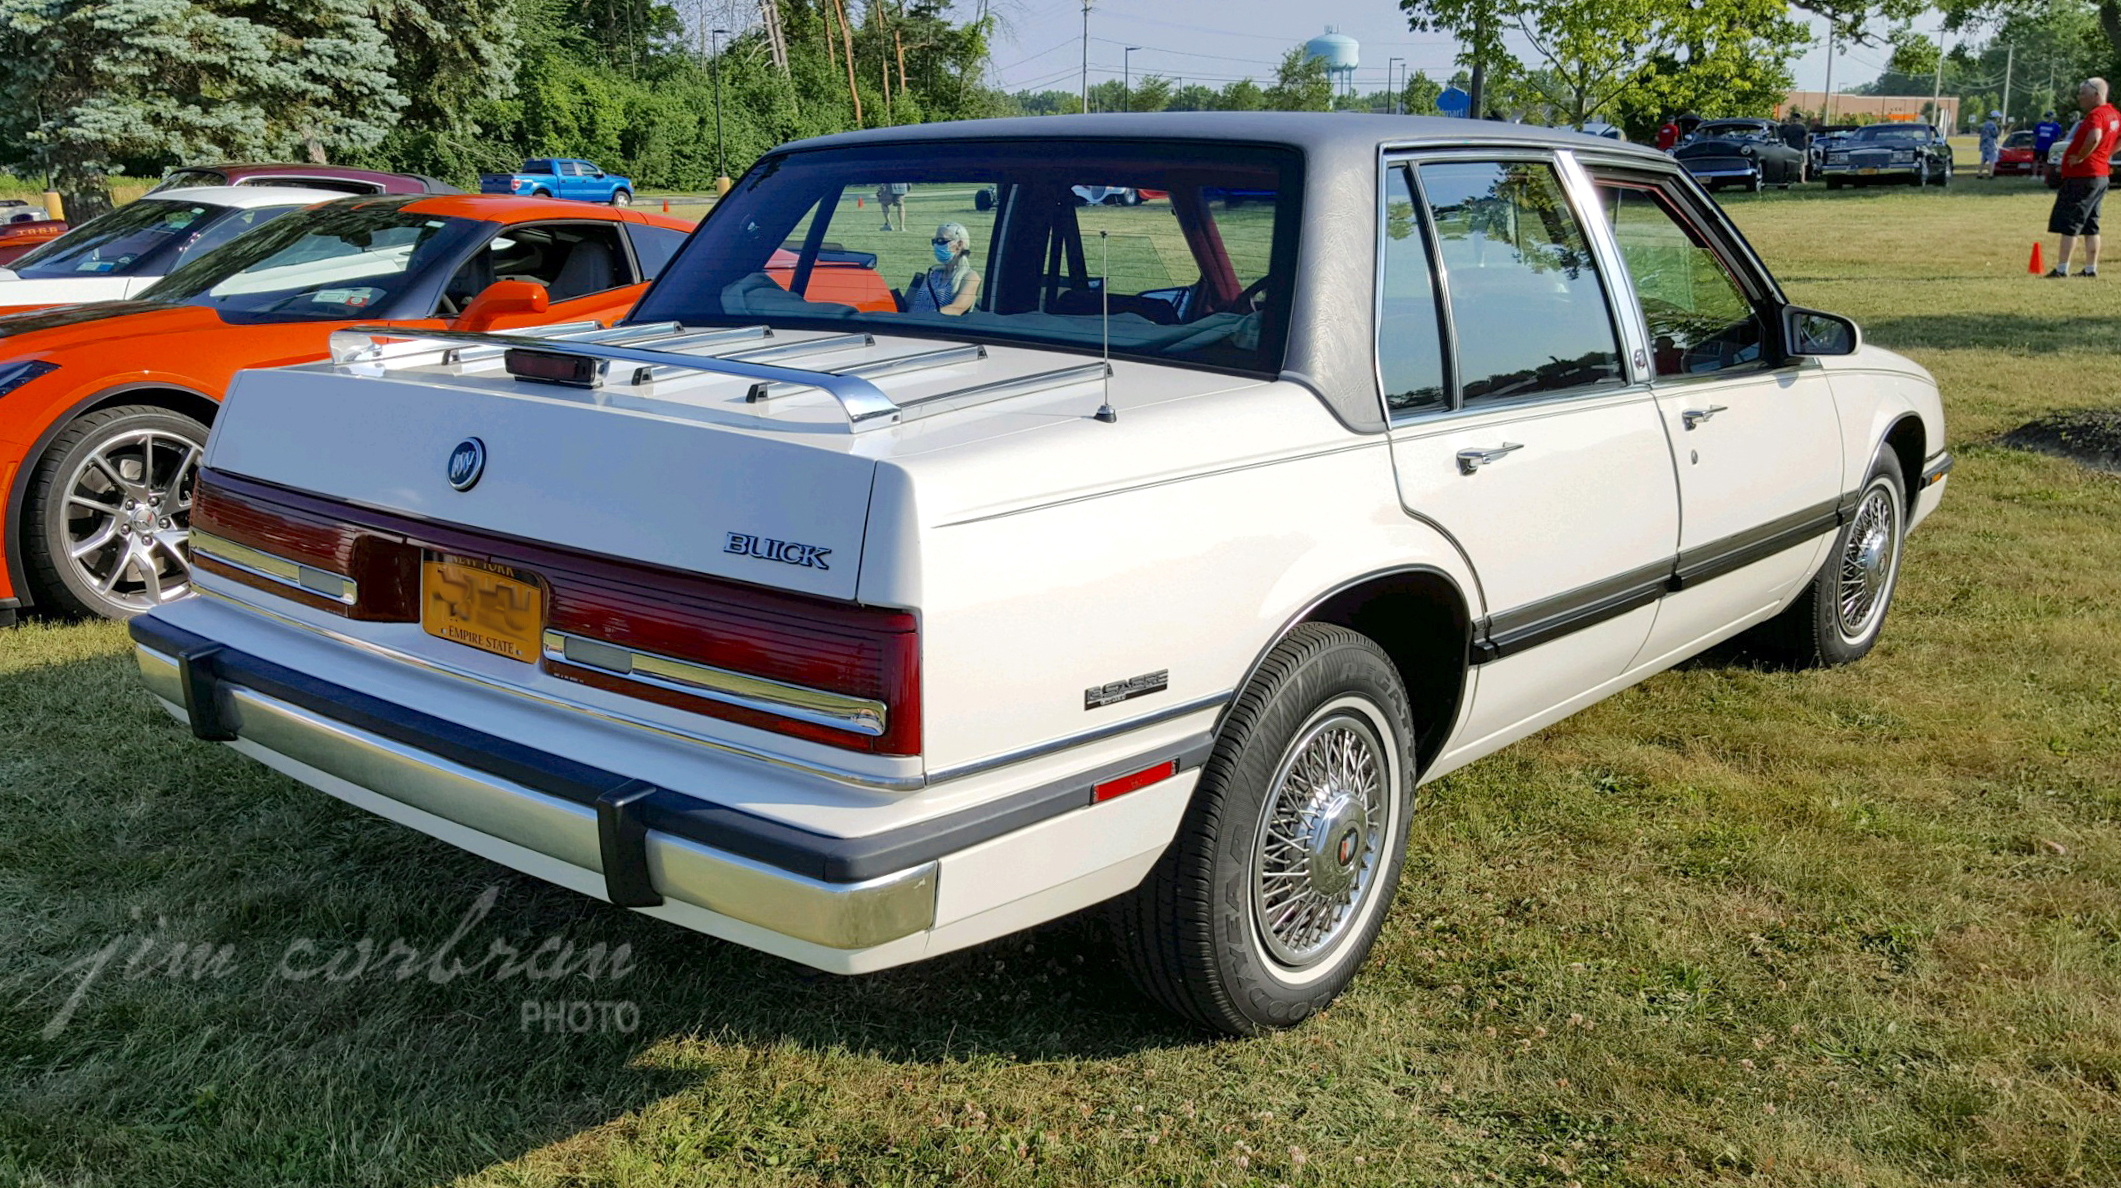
576, 356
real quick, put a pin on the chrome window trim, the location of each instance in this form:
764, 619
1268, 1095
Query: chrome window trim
1623, 307
819, 707
292, 574
1389, 165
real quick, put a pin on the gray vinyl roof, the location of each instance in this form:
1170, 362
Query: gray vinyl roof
1332, 340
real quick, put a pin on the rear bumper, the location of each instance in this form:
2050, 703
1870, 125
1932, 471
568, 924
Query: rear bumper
844, 904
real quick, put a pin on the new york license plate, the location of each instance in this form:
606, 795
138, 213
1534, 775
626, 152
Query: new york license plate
479, 604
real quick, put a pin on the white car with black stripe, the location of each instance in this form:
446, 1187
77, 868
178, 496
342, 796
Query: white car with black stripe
1163, 576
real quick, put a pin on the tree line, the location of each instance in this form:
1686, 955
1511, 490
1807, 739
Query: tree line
94, 90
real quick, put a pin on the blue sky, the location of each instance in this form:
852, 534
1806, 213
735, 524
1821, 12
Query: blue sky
1214, 41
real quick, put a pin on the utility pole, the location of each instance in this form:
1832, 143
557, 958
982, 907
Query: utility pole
1126, 77
2010, 60
1086, 57
721, 169
1832, 40
1937, 87
1391, 75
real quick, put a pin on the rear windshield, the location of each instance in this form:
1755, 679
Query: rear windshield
134, 240
1189, 248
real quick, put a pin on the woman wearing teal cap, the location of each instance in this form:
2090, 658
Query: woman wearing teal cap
952, 285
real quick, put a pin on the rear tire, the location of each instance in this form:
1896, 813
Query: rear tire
1269, 898
1834, 183
541, 193
1838, 618
137, 464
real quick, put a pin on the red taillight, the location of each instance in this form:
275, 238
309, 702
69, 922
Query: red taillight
811, 643
799, 641
386, 572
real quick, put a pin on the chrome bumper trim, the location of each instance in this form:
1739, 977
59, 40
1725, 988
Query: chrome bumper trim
835, 915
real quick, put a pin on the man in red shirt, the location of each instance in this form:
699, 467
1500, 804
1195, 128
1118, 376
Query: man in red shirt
1667, 135
2085, 166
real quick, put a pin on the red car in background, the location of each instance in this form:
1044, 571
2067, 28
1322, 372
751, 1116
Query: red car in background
341, 178
104, 406
2016, 155
23, 228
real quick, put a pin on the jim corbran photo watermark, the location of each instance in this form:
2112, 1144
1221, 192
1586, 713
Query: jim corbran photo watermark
570, 982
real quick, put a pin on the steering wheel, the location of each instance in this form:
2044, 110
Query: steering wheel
1248, 301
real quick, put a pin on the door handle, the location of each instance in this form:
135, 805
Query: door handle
1472, 460
1695, 416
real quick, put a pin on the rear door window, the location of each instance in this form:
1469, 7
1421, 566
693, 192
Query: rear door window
1527, 304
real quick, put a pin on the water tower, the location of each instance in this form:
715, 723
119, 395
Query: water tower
1341, 53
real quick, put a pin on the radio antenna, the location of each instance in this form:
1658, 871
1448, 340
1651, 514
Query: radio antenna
1105, 411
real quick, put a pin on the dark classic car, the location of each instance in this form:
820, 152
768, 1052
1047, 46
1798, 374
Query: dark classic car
1748, 153
1906, 154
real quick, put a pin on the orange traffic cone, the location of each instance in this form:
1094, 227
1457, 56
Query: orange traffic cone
666, 206
2035, 267
857, 202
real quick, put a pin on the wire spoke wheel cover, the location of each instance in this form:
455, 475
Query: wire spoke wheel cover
127, 519
1869, 561
1322, 831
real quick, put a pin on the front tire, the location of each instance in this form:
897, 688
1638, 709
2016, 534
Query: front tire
1270, 896
622, 198
108, 515
1839, 616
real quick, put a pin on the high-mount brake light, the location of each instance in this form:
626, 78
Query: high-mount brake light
554, 367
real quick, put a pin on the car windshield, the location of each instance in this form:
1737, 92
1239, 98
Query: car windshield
1188, 247
327, 263
134, 240
1732, 132
1892, 134
2018, 140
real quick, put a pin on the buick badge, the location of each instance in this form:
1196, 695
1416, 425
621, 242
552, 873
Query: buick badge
466, 463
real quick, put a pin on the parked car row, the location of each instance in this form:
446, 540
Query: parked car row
859, 631
1750, 154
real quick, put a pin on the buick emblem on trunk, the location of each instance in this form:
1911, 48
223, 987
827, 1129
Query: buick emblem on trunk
787, 552
466, 463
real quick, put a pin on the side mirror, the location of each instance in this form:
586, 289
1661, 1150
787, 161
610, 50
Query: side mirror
502, 299
1810, 332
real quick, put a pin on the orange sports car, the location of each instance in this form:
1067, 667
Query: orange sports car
104, 407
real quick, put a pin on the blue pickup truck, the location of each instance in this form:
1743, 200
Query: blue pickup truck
560, 177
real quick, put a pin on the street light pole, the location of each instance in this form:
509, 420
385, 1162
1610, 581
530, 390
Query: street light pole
721, 168
1086, 57
1390, 80
1126, 77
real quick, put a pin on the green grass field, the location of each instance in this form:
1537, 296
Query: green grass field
1856, 927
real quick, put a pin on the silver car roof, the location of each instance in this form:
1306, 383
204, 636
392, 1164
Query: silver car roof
1332, 340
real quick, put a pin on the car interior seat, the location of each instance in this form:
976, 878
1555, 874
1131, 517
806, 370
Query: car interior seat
591, 267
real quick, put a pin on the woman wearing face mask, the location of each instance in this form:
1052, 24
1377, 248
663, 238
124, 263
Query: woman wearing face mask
952, 285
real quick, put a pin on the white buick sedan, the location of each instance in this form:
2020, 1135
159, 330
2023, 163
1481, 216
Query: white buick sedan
1160, 577
120, 252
